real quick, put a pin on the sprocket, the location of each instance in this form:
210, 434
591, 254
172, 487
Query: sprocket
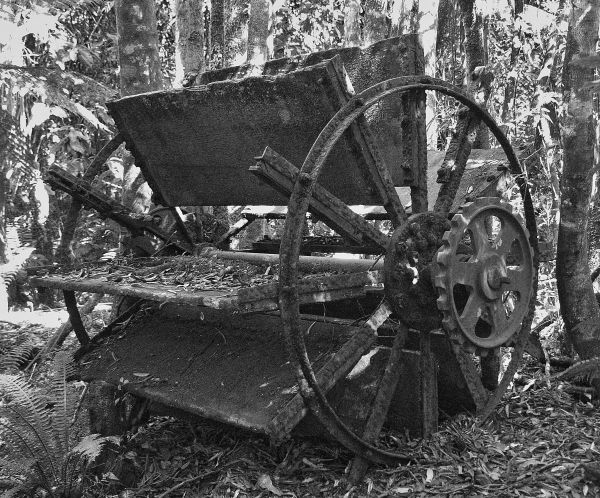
484, 274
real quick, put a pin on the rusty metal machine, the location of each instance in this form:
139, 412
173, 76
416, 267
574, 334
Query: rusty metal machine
300, 339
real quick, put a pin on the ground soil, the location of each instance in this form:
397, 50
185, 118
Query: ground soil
542, 441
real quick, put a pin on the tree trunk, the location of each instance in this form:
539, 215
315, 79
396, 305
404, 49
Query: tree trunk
352, 31
236, 32
475, 57
376, 25
139, 61
578, 304
259, 50
189, 37
3, 198
217, 33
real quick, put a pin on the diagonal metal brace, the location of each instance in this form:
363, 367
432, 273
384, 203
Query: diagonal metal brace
278, 172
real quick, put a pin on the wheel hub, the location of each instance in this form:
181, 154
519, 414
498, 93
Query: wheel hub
407, 279
493, 275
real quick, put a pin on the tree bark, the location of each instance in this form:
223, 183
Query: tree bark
258, 32
139, 61
236, 32
352, 31
189, 37
217, 33
578, 303
475, 57
376, 25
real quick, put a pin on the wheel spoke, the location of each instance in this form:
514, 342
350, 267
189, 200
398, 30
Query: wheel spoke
519, 280
282, 175
465, 272
471, 313
452, 169
479, 236
508, 235
377, 172
497, 315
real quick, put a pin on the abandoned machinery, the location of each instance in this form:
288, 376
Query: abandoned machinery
467, 266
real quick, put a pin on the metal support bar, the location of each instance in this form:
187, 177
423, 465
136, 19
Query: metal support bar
305, 262
237, 227
278, 172
176, 212
75, 317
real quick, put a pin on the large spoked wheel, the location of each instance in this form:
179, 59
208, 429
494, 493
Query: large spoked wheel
409, 256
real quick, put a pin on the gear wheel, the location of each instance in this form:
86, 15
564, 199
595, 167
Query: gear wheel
484, 274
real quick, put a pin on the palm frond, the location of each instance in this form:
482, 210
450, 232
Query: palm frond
67, 89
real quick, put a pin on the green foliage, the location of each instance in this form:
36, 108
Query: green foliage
38, 453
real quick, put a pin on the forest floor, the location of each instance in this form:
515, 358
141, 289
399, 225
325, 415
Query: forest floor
542, 441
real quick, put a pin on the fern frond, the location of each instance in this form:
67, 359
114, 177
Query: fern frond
582, 369
63, 402
90, 447
17, 441
15, 491
26, 411
18, 356
18, 466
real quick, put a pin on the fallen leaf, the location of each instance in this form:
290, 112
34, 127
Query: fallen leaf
429, 475
264, 482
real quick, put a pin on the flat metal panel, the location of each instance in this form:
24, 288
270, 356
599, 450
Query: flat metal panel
195, 145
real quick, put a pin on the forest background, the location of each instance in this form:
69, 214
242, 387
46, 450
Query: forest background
59, 64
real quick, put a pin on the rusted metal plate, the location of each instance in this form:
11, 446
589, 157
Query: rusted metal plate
220, 366
194, 145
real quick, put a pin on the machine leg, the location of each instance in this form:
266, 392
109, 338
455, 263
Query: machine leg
75, 317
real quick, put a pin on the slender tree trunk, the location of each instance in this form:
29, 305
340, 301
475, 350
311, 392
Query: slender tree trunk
259, 48
578, 304
3, 197
139, 61
236, 32
352, 31
376, 25
189, 37
217, 33
475, 58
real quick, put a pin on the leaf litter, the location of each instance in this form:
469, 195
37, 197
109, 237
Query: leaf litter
541, 442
